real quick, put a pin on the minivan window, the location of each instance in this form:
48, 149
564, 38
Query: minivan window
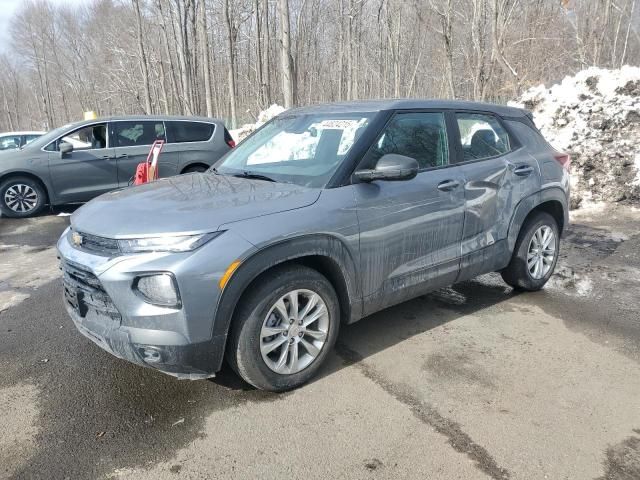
91, 137
422, 136
181, 132
131, 134
482, 136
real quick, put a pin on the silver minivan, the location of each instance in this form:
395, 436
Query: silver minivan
77, 162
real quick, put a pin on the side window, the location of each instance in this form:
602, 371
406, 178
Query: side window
181, 132
131, 134
9, 142
422, 136
482, 136
30, 138
91, 137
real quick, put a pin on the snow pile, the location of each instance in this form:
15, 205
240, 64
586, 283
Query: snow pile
594, 116
264, 116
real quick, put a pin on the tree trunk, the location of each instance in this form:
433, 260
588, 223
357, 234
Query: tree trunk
288, 70
232, 62
206, 59
143, 58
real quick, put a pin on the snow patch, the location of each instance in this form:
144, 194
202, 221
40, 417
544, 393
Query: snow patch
264, 116
594, 116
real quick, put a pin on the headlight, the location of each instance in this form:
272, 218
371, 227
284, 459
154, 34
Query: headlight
185, 243
158, 289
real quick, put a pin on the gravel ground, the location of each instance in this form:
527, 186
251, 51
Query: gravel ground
473, 381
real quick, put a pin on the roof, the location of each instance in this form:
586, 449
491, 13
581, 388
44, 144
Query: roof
408, 104
140, 118
26, 132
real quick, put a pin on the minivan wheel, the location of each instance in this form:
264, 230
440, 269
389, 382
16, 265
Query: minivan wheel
535, 254
195, 169
21, 197
284, 329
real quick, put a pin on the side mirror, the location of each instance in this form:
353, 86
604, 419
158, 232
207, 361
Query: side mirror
65, 148
390, 167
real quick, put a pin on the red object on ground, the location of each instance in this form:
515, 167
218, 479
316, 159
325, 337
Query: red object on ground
147, 171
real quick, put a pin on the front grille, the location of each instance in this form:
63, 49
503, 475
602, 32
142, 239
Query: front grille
95, 244
83, 292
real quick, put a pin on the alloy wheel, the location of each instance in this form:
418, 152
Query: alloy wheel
294, 331
21, 198
542, 252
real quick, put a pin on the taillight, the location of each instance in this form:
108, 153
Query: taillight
231, 143
563, 159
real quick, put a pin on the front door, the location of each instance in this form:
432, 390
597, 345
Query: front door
132, 141
410, 231
86, 172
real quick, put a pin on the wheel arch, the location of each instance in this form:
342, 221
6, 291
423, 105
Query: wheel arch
324, 253
553, 201
192, 165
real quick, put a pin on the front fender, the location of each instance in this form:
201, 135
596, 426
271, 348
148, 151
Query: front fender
323, 245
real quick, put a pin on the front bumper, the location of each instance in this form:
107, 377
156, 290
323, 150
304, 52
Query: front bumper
180, 342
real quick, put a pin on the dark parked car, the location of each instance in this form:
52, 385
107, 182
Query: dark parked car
80, 161
325, 215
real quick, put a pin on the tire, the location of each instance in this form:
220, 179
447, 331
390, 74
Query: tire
258, 310
21, 197
523, 276
195, 169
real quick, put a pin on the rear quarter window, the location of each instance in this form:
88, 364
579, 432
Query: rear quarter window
182, 132
482, 136
528, 136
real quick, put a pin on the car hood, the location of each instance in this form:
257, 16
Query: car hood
187, 204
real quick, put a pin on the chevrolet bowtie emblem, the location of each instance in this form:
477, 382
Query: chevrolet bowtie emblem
76, 238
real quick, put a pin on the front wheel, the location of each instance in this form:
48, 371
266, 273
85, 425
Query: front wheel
21, 197
284, 329
535, 254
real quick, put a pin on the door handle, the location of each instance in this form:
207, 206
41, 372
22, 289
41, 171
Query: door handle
523, 170
448, 185
124, 155
106, 157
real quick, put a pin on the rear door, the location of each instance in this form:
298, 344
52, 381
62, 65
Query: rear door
410, 230
498, 174
132, 140
89, 170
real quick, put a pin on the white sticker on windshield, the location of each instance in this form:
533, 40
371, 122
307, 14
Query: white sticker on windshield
339, 124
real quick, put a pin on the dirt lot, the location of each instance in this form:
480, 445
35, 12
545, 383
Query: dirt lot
473, 381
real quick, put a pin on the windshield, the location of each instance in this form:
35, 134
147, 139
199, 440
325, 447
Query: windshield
302, 149
51, 136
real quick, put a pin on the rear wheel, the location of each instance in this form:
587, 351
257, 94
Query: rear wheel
195, 169
284, 329
535, 254
21, 197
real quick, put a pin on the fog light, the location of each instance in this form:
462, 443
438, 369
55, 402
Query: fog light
158, 289
151, 355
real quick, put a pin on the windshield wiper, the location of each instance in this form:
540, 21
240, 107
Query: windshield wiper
253, 175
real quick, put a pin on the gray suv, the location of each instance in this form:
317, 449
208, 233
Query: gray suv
80, 161
325, 215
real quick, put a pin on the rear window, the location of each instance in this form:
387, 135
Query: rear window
181, 132
482, 136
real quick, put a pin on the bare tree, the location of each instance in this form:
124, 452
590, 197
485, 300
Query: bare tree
288, 69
